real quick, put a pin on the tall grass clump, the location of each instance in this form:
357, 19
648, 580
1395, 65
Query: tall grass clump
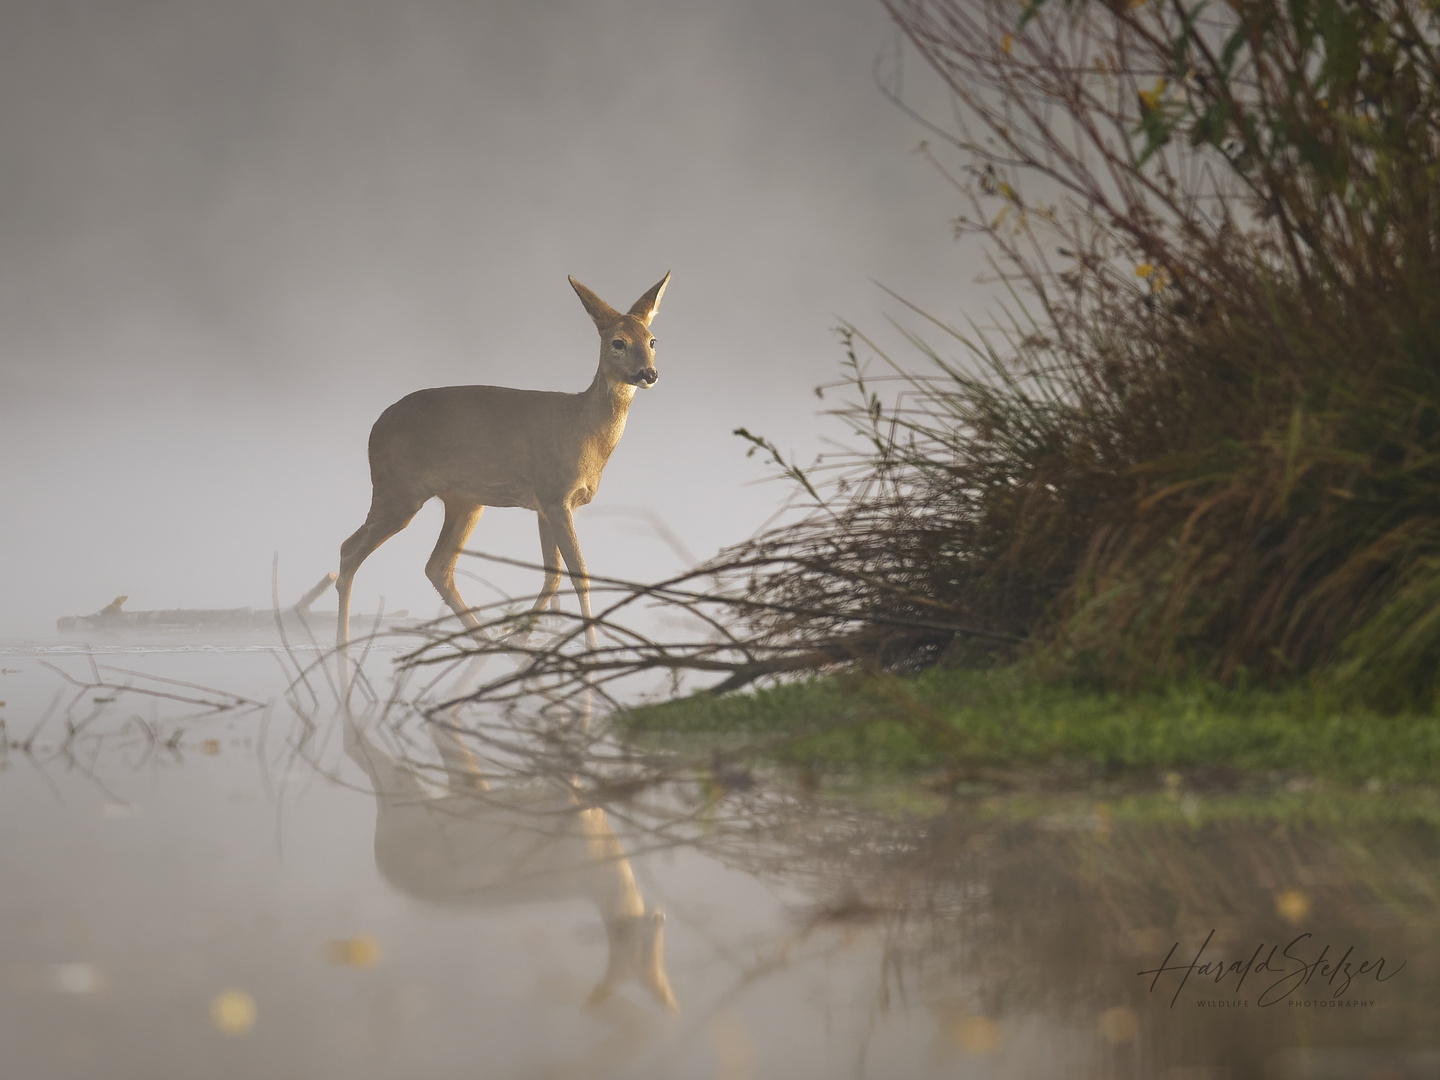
1205, 438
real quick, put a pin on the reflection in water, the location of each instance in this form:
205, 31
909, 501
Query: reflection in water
1023, 926
877, 934
467, 842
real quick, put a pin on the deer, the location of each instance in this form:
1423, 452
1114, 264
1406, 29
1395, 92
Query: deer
478, 446
466, 843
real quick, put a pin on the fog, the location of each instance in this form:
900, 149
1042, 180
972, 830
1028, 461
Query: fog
232, 233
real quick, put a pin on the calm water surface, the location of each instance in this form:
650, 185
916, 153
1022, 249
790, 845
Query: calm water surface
241, 879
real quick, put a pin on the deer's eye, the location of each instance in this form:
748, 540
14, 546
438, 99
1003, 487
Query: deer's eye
617, 343
652, 343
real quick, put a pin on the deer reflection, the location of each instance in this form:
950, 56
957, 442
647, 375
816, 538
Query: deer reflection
465, 842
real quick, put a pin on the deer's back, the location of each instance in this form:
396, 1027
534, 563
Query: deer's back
479, 442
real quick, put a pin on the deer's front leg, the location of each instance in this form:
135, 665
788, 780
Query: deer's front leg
550, 559
562, 528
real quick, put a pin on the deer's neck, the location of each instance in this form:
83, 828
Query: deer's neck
606, 404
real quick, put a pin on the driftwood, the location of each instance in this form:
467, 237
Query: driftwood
113, 617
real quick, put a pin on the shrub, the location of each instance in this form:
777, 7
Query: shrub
1207, 438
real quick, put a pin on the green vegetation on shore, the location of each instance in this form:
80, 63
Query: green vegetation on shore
982, 721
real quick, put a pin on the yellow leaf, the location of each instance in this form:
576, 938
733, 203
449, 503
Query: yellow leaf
233, 1012
1005, 43
999, 218
1144, 270
1119, 1025
975, 1035
357, 952
1292, 904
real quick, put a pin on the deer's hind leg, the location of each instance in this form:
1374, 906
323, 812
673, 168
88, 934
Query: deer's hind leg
461, 516
384, 521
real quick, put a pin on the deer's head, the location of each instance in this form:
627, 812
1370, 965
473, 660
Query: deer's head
627, 348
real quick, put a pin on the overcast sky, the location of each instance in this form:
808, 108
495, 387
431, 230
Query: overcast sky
233, 231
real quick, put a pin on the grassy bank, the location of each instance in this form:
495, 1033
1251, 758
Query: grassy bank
997, 722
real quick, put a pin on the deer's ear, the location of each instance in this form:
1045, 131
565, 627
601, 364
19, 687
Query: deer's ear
645, 308
604, 315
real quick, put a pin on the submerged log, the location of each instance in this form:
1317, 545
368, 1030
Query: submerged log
113, 617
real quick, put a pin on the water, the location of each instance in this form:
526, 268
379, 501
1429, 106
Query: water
213, 886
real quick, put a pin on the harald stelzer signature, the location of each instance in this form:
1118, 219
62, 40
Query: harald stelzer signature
1295, 971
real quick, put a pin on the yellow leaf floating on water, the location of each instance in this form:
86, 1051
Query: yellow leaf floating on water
362, 951
1119, 1025
977, 1035
233, 1012
1292, 904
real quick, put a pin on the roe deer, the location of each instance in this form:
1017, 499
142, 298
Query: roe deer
479, 446
470, 844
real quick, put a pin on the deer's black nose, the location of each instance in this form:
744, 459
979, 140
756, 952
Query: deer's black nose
649, 377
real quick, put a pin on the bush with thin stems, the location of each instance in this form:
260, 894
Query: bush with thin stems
1207, 439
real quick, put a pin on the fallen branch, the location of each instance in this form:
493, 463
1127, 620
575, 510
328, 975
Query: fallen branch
113, 618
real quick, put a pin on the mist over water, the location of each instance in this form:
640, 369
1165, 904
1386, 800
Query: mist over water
231, 234
209, 872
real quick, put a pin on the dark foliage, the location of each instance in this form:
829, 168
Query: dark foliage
1208, 439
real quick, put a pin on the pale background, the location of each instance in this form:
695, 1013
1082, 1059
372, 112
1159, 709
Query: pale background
231, 233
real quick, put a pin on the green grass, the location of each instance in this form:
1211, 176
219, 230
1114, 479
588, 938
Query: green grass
969, 721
